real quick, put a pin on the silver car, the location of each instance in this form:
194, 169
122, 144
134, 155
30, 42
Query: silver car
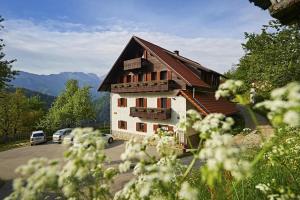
59, 135
38, 137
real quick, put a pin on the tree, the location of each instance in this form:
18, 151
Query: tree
6, 72
71, 108
272, 58
19, 114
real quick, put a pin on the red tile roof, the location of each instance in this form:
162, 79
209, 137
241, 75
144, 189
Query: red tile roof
175, 64
206, 103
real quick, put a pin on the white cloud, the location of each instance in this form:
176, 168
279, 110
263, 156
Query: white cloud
43, 49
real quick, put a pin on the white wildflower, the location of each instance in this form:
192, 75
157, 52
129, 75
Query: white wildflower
292, 118
228, 88
187, 192
220, 153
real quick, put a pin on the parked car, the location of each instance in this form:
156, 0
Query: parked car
38, 137
59, 135
106, 136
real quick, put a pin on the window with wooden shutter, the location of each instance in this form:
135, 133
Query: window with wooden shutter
155, 127
154, 76
145, 102
141, 127
122, 124
119, 102
168, 102
122, 102
169, 75
163, 75
162, 102
137, 102
158, 102
148, 76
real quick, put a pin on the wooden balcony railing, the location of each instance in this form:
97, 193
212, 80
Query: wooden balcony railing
151, 113
146, 86
135, 63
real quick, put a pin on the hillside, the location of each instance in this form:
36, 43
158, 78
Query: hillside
48, 99
53, 84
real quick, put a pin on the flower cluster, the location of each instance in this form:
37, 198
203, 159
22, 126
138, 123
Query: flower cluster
229, 88
220, 154
187, 122
273, 191
152, 175
284, 105
37, 179
215, 123
83, 175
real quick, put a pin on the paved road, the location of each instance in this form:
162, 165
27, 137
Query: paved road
11, 159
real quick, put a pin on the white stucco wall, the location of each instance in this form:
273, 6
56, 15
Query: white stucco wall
178, 107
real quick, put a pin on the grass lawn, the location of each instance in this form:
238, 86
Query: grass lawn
12, 145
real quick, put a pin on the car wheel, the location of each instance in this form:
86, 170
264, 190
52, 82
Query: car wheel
110, 140
31, 144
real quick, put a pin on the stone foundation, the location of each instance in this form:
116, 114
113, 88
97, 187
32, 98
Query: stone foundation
126, 136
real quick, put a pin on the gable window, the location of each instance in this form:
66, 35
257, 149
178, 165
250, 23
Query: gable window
164, 103
122, 102
122, 124
141, 102
141, 77
153, 76
141, 127
163, 75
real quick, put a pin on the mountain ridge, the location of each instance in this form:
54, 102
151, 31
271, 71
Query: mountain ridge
54, 84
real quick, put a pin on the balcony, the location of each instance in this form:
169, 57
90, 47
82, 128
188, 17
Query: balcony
135, 63
151, 113
146, 86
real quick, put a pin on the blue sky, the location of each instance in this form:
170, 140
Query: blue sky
52, 36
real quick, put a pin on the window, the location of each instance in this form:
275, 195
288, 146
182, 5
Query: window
122, 124
128, 78
163, 75
141, 77
154, 76
141, 127
122, 102
141, 102
163, 103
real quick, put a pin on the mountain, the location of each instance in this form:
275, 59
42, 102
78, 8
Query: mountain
53, 84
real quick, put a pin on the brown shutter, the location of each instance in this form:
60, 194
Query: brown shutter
124, 79
125, 123
169, 75
170, 128
168, 102
137, 126
155, 127
145, 102
119, 102
119, 124
158, 75
145, 127
137, 102
125, 102
149, 76
145, 77
136, 77
158, 102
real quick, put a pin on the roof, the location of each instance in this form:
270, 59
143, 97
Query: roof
206, 103
185, 68
176, 65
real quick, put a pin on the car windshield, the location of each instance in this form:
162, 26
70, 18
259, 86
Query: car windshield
37, 134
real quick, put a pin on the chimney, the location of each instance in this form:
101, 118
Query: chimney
176, 52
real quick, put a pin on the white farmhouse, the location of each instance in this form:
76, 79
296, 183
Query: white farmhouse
153, 88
